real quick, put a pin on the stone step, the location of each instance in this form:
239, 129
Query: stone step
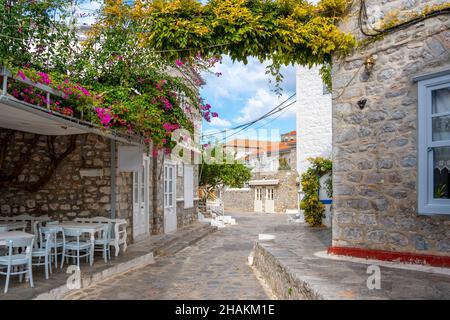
183, 239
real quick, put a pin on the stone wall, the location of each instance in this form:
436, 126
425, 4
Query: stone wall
285, 193
67, 195
238, 200
375, 149
186, 216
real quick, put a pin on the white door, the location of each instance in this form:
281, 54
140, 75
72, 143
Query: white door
269, 204
258, 200
170, 210
140, 201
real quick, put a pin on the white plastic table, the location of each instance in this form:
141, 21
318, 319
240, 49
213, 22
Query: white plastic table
11, 235
12, 225
91, 228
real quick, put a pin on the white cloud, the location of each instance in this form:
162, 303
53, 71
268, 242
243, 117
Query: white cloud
239, 80
262, 102
219, 123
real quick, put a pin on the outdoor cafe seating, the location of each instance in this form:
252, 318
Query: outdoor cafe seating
27, 244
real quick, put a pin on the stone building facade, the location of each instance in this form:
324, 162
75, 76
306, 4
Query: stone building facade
284, 194
376, 136
70, 194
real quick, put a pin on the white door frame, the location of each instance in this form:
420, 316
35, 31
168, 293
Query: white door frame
269, 204
170, 198
141, 201
258, 199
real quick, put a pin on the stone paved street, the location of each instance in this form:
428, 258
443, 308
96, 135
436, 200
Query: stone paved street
213, 268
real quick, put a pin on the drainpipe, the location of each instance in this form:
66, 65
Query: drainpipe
113, 179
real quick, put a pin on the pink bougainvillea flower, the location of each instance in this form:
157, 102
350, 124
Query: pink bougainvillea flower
85, 91
207, 116
167, 126
44, 78
105, 118
179, 63
20, 30
214, 114
154, 153
170, 127
22, 75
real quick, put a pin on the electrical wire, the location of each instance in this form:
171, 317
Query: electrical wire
250, 124
267, 114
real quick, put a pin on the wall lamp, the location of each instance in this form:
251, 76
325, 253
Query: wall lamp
368, 65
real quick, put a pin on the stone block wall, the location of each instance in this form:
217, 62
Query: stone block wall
375, 149
186, 216
285, 193
238, 200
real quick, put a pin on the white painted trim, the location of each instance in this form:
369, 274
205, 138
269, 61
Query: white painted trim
426, 205
433, 75
263, 182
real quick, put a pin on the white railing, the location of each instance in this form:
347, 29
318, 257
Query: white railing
6, 75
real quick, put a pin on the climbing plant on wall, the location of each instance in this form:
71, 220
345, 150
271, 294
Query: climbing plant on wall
313, 208
283, 31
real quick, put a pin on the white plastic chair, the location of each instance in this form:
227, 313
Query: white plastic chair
102, 243
74, 245
44, 251
57, 243
18, 260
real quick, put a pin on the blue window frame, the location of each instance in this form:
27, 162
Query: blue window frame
434, 144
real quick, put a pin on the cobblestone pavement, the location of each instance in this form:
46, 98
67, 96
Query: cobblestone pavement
213, 268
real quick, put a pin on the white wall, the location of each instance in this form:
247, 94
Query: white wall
313, 117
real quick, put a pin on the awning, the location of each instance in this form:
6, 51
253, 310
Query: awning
18, 115
263, 182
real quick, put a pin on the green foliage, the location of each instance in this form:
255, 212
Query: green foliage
440, 190
36, 34
313, 208
283, 31
217, 171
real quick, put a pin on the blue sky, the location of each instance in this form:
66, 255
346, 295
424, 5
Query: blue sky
241, 94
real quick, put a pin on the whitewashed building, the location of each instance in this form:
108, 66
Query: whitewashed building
314, 130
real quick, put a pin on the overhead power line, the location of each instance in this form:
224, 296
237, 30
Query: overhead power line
244, 128
267, 114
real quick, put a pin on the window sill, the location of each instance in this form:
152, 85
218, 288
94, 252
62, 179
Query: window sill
434, 210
